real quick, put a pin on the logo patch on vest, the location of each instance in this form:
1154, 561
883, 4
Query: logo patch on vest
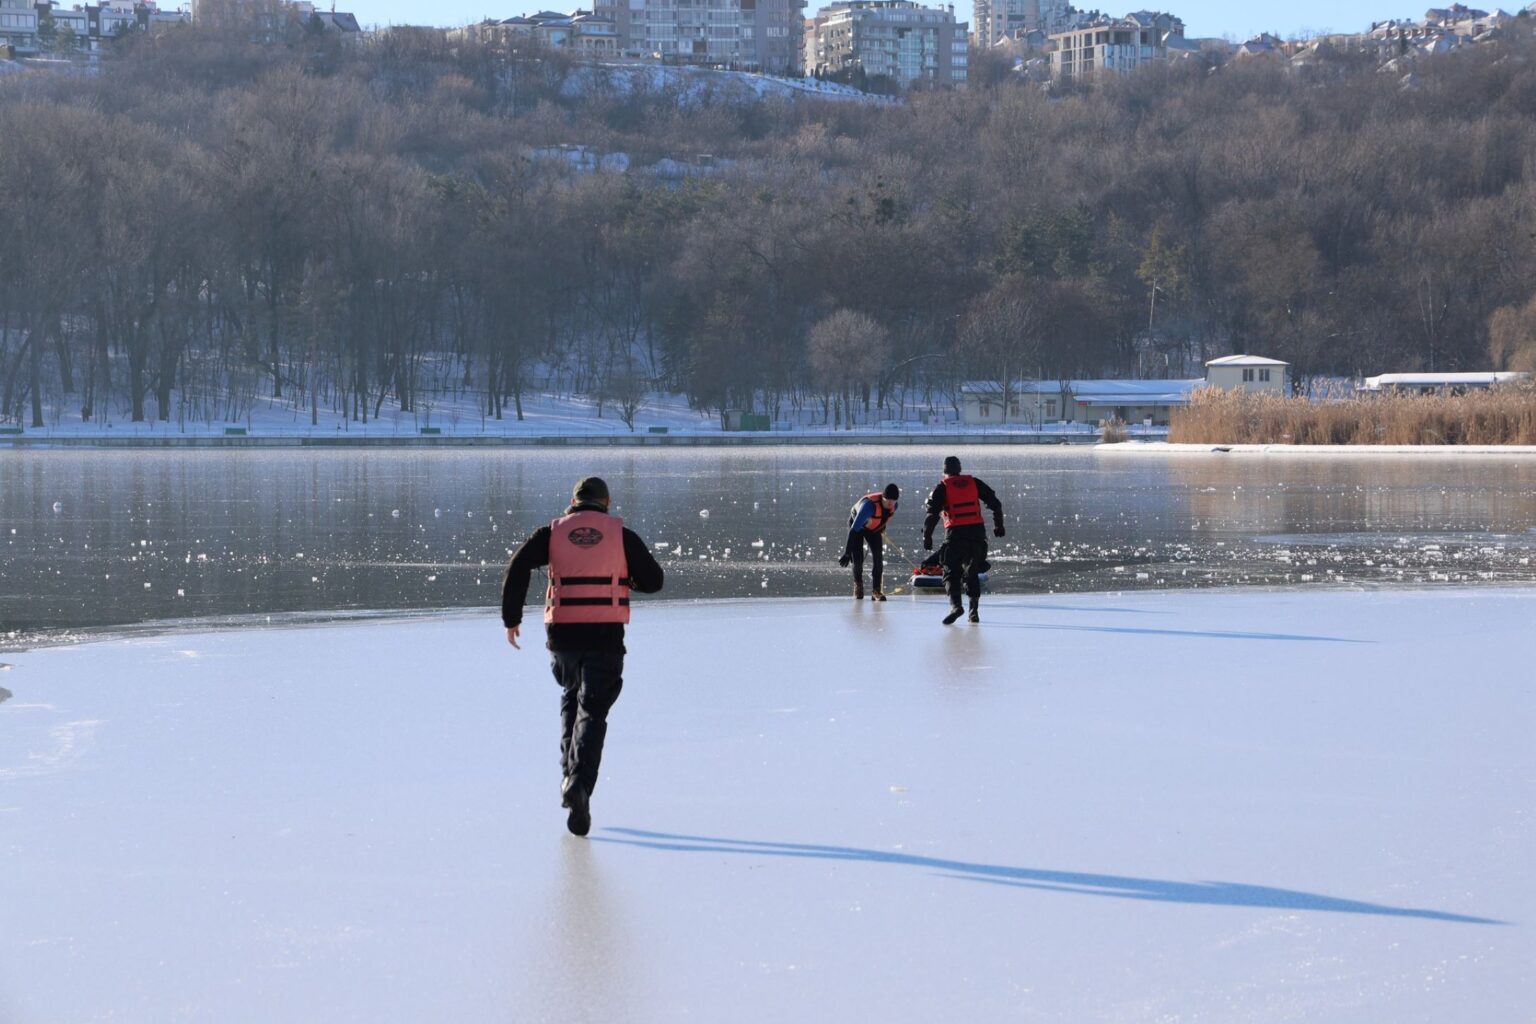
586, 537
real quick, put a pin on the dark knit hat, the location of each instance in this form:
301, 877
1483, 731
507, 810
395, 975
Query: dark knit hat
591, 488
951, 465
892, 492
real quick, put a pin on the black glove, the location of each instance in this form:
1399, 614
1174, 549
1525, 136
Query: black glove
998, 531
927, 543
845, 560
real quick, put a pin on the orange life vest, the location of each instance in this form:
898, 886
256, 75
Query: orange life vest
962, 503
879, 517
588, 573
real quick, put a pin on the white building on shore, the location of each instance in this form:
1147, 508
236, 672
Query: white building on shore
1055, 403
1249, 373
1432, 383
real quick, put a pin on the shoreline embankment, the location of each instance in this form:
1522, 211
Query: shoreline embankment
44, 442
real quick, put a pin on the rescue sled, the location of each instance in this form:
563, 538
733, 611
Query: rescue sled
931, 577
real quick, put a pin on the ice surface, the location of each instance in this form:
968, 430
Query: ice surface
1201, 806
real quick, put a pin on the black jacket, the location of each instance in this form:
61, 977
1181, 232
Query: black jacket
645, 576
975, 531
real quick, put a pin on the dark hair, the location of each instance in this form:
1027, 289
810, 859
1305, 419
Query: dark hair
892, 492
951, 465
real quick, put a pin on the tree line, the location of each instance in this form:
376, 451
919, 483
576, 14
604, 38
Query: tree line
205, 222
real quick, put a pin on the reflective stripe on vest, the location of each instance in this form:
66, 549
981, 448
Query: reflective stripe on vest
588, 573
962, 503
879, 517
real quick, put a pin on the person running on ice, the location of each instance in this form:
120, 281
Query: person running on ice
594, 562
866, 525
957, 500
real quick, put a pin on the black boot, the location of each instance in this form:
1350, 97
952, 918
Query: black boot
574, 795
858, 590
955, 611
975, 615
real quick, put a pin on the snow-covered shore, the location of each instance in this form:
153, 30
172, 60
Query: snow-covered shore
548, 419
1173, 807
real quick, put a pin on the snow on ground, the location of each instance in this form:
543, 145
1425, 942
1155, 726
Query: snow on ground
1205, 806
545, 415
694, 85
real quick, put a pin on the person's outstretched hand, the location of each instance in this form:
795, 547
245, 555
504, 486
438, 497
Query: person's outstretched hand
998, 531
512, 634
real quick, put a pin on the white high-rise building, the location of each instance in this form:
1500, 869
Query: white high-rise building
898, 39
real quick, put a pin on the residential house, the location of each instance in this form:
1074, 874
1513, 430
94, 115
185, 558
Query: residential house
34, 29
581, 32
1262, 46
18, 27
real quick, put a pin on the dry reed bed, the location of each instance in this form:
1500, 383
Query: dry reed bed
1505, 415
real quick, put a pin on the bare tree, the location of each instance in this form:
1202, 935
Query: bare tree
847, 349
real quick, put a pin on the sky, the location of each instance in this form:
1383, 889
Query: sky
1202, 17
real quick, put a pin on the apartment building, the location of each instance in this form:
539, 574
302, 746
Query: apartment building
996, 20
1113, 45
899, 39
752, 35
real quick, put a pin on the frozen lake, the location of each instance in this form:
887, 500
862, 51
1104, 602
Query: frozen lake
1150, 807
90, 538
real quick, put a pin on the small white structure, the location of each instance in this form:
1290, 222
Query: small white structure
1429, 383
1249, 373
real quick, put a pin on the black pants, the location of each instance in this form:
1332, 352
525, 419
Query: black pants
591, 681
963, 559
876, 544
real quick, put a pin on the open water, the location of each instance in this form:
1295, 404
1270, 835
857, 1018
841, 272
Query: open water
100, 538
